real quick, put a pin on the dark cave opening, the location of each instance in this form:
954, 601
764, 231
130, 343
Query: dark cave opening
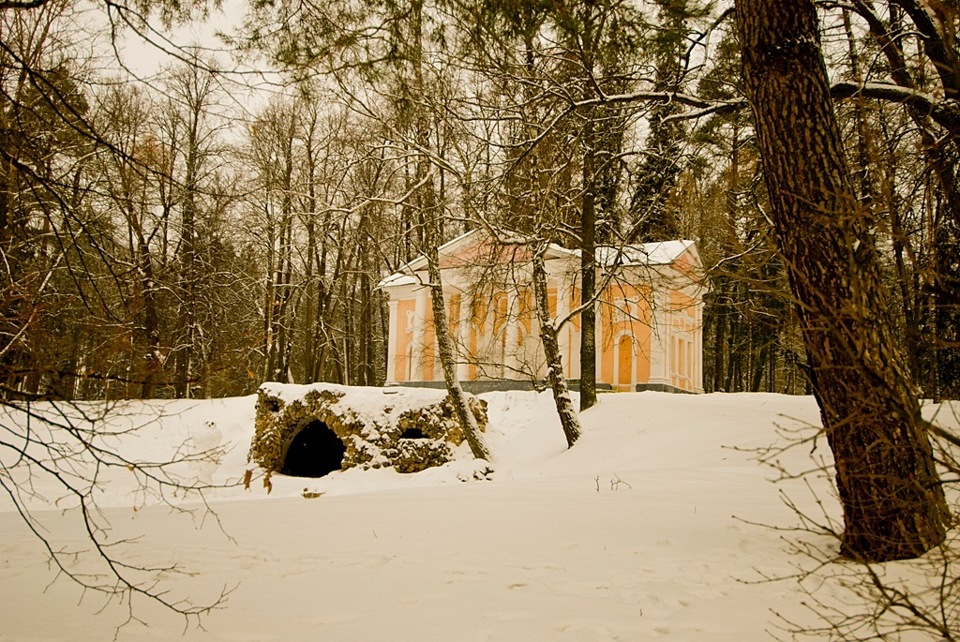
413, 433
314, 451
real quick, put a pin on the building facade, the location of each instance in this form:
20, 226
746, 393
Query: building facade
649, 316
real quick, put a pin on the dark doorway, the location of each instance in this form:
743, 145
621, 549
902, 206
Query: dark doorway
314, 451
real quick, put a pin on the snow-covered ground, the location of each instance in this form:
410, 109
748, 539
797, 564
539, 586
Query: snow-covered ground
648, 528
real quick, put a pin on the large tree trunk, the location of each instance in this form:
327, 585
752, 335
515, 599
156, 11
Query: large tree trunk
588, 226
893, 504
588, 280
551, 349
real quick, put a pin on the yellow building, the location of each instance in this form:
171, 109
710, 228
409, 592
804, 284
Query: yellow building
649, 316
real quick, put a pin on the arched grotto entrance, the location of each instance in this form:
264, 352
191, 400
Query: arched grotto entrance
313, 452
413, 433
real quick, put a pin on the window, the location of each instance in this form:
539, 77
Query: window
454, 316
499, 312
479, 309
408, 363
625, 310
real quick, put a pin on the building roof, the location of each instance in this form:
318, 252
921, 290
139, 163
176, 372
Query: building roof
659, 253
645, 254
396, 280
404, 275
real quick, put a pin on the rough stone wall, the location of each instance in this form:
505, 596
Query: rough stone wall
371, 439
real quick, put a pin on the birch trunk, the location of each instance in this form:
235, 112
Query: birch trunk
548, 337
448, 358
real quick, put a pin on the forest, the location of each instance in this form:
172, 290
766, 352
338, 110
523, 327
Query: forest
200, 197
224, 220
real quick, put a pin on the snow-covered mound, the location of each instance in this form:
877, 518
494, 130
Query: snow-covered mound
312, 430
647, 529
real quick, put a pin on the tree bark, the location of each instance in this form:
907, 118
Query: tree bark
588, 279
188, 290
430, 227
588, 227
448, 357
893, 503
551, 349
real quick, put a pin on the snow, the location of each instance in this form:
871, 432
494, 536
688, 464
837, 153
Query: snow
644, 254
659, 253
649, 528
360, 398
397, 279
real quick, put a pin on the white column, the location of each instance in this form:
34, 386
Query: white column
563, 334
463, 336
698, 349
512, 330
660, 341
392, 343
598, 338
419, 347
574, 349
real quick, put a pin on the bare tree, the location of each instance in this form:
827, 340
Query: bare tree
191, 130
65, 453
569, 421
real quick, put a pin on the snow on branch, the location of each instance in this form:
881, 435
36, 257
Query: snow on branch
945, 112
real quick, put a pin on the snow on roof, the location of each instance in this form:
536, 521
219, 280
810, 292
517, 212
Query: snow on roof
404, 274
397, 279
660, 253
649, 254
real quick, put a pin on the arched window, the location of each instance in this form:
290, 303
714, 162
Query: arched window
624, 359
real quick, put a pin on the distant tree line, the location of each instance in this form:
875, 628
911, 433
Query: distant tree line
157, 240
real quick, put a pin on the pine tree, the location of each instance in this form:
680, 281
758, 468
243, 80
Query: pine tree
892, 500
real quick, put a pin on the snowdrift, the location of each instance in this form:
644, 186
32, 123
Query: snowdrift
656, 525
